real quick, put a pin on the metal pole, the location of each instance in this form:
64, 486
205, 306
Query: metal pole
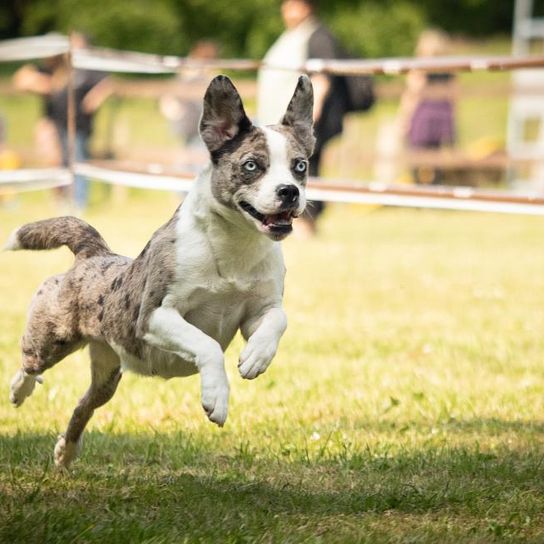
523, 10
71, 121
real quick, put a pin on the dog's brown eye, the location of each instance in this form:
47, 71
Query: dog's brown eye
250, 166
301, 166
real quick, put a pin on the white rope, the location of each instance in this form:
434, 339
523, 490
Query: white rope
462, 200
131, 62
46, 178
113, 60
30, 179
110, 60
39, 47
409, 201
159, 182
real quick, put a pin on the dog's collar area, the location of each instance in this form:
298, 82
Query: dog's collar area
277, 223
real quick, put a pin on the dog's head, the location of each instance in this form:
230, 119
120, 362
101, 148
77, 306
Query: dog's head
260, 173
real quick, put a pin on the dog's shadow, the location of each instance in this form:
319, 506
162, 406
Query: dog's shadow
160, 486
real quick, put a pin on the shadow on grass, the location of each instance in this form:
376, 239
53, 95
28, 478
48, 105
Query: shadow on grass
165, 487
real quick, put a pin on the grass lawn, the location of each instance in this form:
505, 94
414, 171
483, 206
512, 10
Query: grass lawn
405, 404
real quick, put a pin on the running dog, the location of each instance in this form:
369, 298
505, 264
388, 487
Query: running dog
215, 267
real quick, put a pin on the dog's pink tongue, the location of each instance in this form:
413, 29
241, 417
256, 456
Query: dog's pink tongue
283, 218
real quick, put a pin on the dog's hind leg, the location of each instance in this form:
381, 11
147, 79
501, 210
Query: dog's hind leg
38, 356
105, 376
49, 337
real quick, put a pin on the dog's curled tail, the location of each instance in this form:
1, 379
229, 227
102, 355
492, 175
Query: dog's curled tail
82, 239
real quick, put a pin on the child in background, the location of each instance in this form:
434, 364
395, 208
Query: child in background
427, 106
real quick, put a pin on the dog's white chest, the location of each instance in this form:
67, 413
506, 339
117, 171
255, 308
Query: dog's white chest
218, 308
220, 277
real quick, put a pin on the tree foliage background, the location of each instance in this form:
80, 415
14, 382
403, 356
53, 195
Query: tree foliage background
246, 28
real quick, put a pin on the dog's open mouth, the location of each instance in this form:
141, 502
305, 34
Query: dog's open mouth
276, 223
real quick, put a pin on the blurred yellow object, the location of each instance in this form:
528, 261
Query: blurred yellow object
9, 160
484, 147
405, 179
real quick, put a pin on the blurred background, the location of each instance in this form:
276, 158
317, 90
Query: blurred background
146, 119
405, 403
246, 28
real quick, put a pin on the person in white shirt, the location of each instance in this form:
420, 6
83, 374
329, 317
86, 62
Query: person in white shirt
304, 38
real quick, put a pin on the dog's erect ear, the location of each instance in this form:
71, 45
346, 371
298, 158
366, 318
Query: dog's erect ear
299, 114
223, 116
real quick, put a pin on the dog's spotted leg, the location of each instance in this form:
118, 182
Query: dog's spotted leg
168, 331
263, 336
105, 376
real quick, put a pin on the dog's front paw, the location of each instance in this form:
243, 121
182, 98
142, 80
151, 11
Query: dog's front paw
215, 401
255, 358
22, 386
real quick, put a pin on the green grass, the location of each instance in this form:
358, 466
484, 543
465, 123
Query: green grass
405, 403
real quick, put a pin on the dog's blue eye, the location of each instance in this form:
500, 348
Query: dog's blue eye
300, 166
250, 166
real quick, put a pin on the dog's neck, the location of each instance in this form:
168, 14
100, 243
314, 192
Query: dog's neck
233, 241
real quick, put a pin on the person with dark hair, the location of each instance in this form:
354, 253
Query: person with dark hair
91, 88
305, 38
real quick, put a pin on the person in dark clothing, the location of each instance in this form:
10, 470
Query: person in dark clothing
329, 122
90, 89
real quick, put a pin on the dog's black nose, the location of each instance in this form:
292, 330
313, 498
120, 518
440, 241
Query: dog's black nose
288, 193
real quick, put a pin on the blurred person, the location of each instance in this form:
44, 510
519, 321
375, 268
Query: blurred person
91, 88
305, 37
183, 112
427, 109
37, 79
